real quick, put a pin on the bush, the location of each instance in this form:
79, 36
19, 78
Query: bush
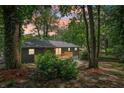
110, 51
119, 52
52, 67
84, 54
68, 69
46, 64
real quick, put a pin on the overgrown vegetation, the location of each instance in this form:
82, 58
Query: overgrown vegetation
51, 67
83, 54
99, 30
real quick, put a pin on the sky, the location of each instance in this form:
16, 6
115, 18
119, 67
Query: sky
63, 22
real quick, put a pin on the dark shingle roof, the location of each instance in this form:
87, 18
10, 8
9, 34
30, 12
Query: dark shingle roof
47, 43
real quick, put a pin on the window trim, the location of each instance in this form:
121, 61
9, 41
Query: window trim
31, 51
75, 49
58, 51
69, 49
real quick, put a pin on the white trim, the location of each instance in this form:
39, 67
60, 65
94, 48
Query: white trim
75, 49
31, 51
58, 51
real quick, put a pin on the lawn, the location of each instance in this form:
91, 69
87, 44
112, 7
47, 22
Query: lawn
109, 74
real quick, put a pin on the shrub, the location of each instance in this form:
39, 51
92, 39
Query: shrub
118, 54
46, 64
110, 51
121, 58
52, 67
84, 54
68, 69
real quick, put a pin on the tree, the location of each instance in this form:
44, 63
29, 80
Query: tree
1, 33
92, 44
73, 33
87, 32
98, 36
43, 20
11, 37
115, 23
13, 18
90, 36
90, 31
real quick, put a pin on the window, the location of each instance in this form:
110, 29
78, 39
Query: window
31, 51
69, 49
58, 51
75, 49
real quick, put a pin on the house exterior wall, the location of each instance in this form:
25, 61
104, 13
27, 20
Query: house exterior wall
71, 50
26, 58
74, 53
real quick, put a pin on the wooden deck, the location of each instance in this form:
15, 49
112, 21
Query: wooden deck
66, 55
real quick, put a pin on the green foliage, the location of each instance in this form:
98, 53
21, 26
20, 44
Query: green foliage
64, 9
119, 52
83, 54
110, 51
67, 69
116, 30
75, 33
51, 67
47, 64
25, 12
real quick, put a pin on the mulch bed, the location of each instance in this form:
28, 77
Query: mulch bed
89, 78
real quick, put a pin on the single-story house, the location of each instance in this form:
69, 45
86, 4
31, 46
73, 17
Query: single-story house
31, 48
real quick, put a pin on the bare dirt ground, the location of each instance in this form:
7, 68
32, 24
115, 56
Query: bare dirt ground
109, 74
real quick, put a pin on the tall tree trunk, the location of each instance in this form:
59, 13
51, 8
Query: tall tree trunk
11, 42
87, 31
37, 27
45, 21
93, 63
47, 28
38, 31
44, 29
98, 36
